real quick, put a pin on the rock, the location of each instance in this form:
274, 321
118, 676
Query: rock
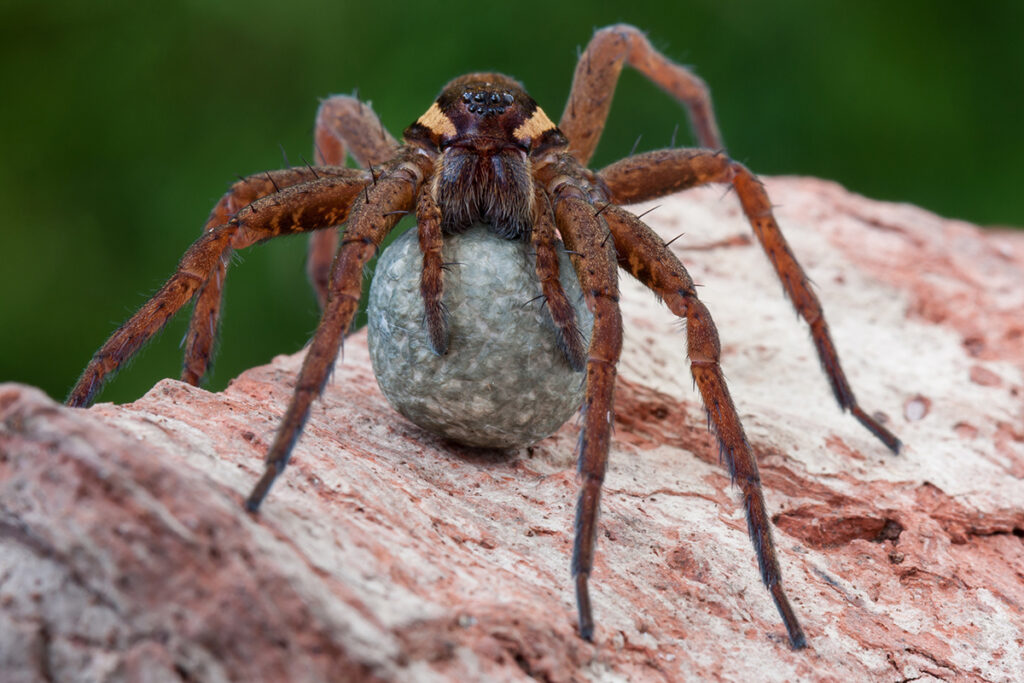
385, 554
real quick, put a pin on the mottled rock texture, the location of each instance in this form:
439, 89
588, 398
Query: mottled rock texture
385, 554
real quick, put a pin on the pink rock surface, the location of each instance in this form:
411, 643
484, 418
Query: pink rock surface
385, 554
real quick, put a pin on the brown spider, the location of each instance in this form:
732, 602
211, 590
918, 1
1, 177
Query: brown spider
484, 151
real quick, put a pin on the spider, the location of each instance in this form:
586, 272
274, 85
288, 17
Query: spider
485, 152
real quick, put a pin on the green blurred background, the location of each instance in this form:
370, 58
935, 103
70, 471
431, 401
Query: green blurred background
123, 122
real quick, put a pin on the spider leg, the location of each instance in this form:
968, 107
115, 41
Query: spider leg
202, 330
593, 257
300, 208
428, 224
343, 123
374, 214
597, 74
542, 237
644, 254
658, 173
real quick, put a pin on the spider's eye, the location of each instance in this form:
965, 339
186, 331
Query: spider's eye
495, 98
508, 98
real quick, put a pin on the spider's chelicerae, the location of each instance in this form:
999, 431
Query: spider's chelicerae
485, 152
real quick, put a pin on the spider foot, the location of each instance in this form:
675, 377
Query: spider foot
583, 604
259, 492
797, 639
273, 467
876, 428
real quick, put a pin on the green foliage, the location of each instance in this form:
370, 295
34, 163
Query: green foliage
124, 121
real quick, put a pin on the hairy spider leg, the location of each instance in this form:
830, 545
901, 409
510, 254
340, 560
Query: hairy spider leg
373, 215
301, 208
563, 315
593, 256
643, 254
597, 74
654, 174
205, 320
431, 241
343, 124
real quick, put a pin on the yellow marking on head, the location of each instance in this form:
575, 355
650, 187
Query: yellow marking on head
533, 127
437, 122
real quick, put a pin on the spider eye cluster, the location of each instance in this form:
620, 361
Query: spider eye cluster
487, 102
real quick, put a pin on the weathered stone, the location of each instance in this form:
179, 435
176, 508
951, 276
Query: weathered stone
383, 554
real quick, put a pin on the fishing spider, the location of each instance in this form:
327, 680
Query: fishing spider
484, 151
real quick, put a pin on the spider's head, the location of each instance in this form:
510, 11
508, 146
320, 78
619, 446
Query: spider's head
485, 130
485, 111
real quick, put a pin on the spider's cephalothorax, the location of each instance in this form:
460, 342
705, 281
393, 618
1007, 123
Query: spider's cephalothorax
485, 129
484, 151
